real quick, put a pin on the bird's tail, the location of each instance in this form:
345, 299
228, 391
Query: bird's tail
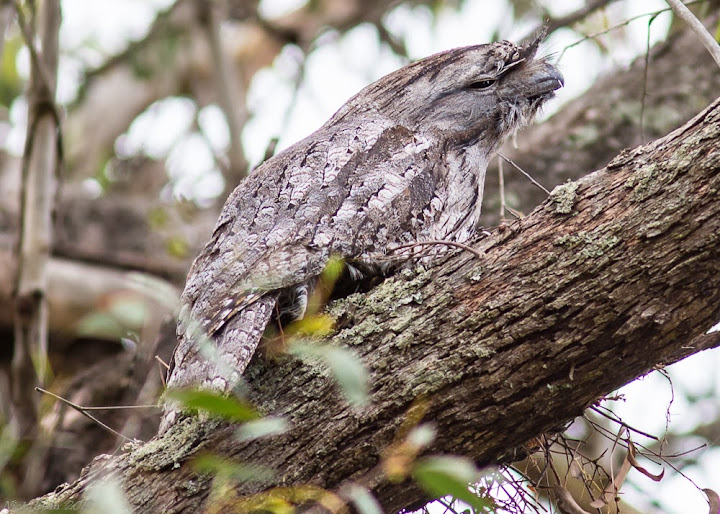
216, 363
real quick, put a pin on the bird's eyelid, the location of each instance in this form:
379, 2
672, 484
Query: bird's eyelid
510, 65
488, 80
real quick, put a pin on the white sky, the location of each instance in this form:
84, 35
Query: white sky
335, 72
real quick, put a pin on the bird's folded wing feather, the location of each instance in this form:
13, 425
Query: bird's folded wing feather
350, 194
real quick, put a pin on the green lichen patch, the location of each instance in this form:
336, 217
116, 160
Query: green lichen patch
563, 197
588, 245
181, 441
644, 182
476, 274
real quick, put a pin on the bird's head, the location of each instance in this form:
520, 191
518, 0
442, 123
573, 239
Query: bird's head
466, 95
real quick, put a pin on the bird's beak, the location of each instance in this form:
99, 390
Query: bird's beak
544, 79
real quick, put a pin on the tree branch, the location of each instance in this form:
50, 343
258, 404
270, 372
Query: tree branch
688, 17
39, 168
612, 276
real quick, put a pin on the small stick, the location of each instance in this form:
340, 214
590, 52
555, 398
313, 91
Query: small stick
465, 247
529, 177
83, 410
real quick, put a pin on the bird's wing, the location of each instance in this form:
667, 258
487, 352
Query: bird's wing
347, 191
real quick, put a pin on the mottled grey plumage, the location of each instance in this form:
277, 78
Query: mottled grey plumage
404, 160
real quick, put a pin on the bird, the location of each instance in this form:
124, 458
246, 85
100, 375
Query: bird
402, 161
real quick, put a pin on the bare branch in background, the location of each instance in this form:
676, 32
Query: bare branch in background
40, 165
705, 37
230, 93
39, 168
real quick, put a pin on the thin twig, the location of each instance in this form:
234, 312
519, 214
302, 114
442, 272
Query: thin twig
501, 182
619, 25
83, 410
465, 247
162, 362
552, 24
39, 68
611, 416
119, 407
529, 177
696, 25
646, 67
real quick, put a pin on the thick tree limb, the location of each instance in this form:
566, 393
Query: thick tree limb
612, 276
76, 289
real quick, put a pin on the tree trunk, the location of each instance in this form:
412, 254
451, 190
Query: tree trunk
612, 276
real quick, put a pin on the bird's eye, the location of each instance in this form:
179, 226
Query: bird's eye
482, 84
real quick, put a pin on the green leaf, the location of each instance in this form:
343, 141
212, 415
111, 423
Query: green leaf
449, 476
333, 269
131, 311
348, 370
10, 83
100, 325
177, 246
215, 404
318, 325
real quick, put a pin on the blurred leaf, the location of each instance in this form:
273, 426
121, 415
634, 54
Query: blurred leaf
158, 218
8, 445
318, 325
100, 324
263, 427
159, 290
346, 367
284, 499
400, 456
364, 501
106, 496
421, 436
177, 246
129, 311
10, 83
524, 8
449, 476
215, 465
333, 269
215, 404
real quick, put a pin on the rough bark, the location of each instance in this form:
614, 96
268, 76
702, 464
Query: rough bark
612, 276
